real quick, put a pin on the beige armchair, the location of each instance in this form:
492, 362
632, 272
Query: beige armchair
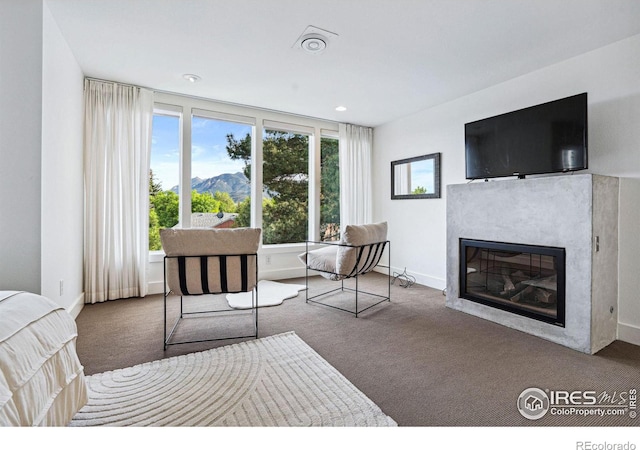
357, 253
203, 261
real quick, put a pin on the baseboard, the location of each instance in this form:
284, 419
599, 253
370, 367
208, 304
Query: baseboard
296, 272
629, 333
282, 274
76, 306
425, 280
155, 287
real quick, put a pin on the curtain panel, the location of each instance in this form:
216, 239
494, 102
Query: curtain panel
356, 148
117, 140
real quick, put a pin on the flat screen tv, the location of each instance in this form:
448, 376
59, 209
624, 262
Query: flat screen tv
546, 138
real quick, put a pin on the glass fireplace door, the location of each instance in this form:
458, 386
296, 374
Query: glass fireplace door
523, 279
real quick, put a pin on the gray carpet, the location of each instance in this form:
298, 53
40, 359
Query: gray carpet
420, 362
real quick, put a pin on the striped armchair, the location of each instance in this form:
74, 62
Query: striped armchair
203, 261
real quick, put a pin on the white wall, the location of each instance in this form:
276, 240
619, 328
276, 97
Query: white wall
610, 75
62, 180
40, 156
20, 139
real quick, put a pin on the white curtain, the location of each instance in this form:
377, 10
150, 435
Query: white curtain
356, 147
117, 138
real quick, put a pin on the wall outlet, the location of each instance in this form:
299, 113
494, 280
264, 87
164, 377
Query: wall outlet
267, 259
61, 288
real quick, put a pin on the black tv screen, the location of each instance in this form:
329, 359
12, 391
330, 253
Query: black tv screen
546, 138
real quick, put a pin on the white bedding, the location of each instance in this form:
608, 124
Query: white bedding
41, 379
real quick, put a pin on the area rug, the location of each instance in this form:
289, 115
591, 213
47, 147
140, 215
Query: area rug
272, 381
270, 293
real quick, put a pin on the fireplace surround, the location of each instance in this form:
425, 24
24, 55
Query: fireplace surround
577, 213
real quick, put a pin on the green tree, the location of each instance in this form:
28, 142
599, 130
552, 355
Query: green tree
329, 189
155, 186
243, 219
167, 207
204, 202
154, 231
287, 221
240, 150
285, 180
286, 165
226, 202
419, 190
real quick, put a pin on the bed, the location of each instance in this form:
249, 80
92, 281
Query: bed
42, 382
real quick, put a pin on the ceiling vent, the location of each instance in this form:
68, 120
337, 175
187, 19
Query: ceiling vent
314, 40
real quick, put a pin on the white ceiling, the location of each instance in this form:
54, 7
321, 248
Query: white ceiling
390, 58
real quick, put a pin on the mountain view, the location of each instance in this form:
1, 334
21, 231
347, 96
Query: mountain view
235, 184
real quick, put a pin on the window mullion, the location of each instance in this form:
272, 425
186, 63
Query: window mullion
185, 173
256, 175
314, 186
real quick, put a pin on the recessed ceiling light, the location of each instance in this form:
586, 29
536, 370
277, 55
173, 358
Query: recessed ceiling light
191, 77
341, 108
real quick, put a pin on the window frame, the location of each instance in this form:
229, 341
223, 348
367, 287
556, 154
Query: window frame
311, 192
221, 117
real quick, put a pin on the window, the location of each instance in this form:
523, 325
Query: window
285, 178
329, 189
164, 174
220, 173
210, 162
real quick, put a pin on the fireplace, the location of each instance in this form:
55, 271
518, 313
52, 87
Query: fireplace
577, 213
528, 280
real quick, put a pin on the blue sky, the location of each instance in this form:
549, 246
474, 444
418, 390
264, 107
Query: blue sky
422, 174
209, 156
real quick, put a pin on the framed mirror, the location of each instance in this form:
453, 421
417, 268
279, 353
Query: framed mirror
417, 177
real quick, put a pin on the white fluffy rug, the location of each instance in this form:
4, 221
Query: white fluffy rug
270, 293
272, 381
